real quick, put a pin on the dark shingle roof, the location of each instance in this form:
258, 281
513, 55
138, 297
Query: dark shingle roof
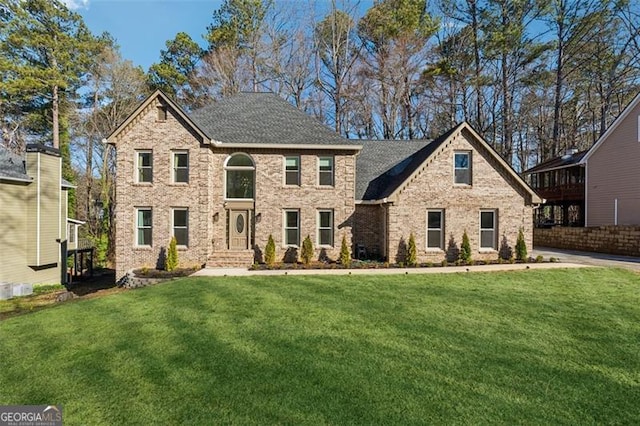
557, 163
384, 165
12, 166
263, 118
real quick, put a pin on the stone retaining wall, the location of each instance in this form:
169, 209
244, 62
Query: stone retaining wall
624, 240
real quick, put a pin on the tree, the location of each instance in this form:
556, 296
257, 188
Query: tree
345, 255
270, 251
172, 255
465, 248
307, 250
521, 246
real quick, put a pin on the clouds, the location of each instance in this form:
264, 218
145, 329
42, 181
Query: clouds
76, 4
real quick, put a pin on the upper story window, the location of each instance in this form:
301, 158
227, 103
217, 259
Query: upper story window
292, 170
325, 171
180, 161
144, 225
240, 177
488, 229
435, 229
162, 113
462, 167
144, 166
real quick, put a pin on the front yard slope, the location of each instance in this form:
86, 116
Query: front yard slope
534, 347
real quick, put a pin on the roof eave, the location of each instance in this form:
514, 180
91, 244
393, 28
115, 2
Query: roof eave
16, 179
565, 166
237, 145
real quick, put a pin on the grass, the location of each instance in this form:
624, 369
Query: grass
43, 295
532, 347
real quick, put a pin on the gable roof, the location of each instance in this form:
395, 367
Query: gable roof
611, 128
561, 162
401, 170
12, 166
251, 119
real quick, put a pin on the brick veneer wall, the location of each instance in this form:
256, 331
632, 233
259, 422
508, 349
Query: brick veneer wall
624, 240
433, 188
369, 228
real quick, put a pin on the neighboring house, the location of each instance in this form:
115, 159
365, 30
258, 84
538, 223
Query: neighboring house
560, 182
612, 172
225, 177
33, 216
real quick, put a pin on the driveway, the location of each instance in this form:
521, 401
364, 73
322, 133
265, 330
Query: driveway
588, 258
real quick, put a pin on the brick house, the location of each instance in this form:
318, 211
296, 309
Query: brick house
223, 178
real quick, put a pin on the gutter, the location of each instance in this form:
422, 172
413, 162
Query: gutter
218, 144
14, 179
373, 202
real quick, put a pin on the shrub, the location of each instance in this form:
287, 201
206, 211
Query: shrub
307, 250
465, 248
539, 258
412, 253
521, 246
270, 251
345, 255
172, 256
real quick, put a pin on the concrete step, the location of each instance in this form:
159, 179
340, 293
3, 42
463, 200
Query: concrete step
230, 259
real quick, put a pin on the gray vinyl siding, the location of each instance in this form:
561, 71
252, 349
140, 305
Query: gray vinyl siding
613, 172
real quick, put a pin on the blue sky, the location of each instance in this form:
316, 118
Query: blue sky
141, 27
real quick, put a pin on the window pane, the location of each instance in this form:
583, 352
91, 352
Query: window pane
144, 218
145, 175
326, 178
182, 237
291, 236
144, 237
292, 220
240, 160
144, 159
326, 163
462, 160
239, 183
434, 220
292, 178
182, 175
326, 237
434, 239
487, 239
180, 217
486, 220
181, 159
292, 163
463, 176
325, 219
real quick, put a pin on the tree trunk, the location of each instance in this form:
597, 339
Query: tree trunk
55, 111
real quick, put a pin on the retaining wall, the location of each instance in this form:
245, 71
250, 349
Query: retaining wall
624, 240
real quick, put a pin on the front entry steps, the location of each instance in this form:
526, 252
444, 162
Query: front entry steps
230, 259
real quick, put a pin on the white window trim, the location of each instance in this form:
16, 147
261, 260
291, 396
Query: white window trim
285, 228
494, 229
173, 225
239, 168
331, 227
136, 171
174, 168
468, 153
333, 171
284, 166
441, 229
138, 227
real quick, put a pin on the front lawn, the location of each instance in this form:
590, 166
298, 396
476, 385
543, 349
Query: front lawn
533, 347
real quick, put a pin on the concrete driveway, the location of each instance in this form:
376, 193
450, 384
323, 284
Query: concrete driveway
588, 258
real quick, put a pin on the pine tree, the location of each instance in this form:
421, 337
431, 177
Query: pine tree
412, 255
270, 251
521, 246
345, 255
172, 256
307, 250
465, 248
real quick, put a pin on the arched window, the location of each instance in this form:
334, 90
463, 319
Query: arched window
240, 177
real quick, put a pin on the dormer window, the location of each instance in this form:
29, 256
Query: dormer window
462, 167
162, 113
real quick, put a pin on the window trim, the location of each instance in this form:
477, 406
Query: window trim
237, 168
494, 247
285, 228
138, 227
139, 167
441, 229
299, 170
469, 168
173, 224
333, 171
175, 168
319, 228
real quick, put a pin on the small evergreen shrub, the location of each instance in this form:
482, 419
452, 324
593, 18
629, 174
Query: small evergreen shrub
412, 253
521, 246
307, 250
539, 258
270, 251
465, 248
172, 256
345, 255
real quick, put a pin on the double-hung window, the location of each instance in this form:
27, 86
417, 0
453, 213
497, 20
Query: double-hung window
292, 170
488, 229
325, 227
462, 167
180, 228
144, 224
180, 166
292, 228
435, 229
325, 171
144, 166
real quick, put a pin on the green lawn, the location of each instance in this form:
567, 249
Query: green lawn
530, 347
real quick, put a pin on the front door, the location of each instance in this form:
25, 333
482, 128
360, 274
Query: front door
239, 230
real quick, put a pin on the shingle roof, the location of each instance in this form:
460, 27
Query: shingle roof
263, 118
12, 166
557, 163
384, 165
